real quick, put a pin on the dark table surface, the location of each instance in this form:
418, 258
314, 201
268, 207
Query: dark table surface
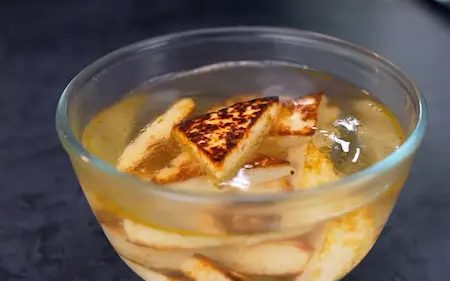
47, 231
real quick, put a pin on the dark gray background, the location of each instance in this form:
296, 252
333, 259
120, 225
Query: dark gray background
47, 231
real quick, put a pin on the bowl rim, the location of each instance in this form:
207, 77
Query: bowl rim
75, 148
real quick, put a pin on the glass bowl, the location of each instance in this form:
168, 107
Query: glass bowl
314, 234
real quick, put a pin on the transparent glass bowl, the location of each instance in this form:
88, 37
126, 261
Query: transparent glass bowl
155, 229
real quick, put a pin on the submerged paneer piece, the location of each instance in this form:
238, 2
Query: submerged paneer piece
167, 260
220, 225
298, 117
160, 239
148, 274
312, 167
261, 169
222, 141
197, 185
201, 268
156, 132
339, 246
276, 258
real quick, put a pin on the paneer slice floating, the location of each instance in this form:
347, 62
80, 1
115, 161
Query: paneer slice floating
296, 123
148, 274
260, 169
158, 131
317, 168
297, 117
277, 258
312, 167
222, 141
185, 173
201, 268
339, 246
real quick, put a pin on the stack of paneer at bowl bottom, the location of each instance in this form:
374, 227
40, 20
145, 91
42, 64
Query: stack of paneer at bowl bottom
249, 144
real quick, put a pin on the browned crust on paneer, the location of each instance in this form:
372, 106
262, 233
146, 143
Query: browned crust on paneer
306, 108
218, 133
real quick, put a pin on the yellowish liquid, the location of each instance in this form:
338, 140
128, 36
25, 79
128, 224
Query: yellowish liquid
364, 132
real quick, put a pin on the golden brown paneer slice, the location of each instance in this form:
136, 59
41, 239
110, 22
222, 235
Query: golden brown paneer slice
296, 123
339, 246
222, 141
276, 258
158, 131
148, 274
297, 117
201, 268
